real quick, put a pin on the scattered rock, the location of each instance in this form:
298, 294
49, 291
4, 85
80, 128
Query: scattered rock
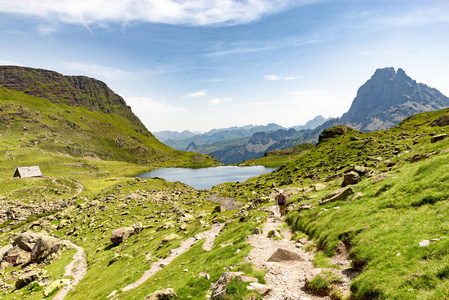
219, 209
55, 285
336, 195
284, 255
17, 256
44, 246
319, 187
170, 237
4, 250
219, 290
166, 294
350, 178
26, 240
29, 277
243, 278
360, 170
260, 288
138, 227
424, 243
417, 157
257, 230
121, 234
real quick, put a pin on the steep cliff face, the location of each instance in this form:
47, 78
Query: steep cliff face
75, 91
388, 97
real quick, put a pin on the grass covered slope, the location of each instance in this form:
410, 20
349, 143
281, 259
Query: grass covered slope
400, 200
60, 138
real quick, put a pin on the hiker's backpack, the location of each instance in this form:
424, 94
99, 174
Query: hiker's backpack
281, 199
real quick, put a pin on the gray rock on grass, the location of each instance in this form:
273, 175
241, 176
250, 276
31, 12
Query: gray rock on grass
122, 234
339, 194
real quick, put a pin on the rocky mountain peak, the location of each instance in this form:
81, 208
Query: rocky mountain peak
388, 97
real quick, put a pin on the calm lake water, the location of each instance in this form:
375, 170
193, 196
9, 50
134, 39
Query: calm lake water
206, 178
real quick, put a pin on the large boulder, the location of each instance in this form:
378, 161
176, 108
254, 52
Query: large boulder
44, 246
437, 138
4, 250
350, 178
120, 235
284, 255
166, 294
336, 195
17, 256
55, 285
29, 277
26, 240
170, 237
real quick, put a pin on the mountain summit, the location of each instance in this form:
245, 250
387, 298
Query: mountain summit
387, 98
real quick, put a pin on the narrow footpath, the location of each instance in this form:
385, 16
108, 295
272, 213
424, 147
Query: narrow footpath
287, 278
77, 269
209, 235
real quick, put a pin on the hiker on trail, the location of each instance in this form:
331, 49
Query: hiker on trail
281, 202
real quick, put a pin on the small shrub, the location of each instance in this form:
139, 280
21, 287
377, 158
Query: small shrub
322, 284
319, 285
336, 295
309, 246
443, 273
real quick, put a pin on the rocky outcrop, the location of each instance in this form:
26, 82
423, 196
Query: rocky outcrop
29, 277
29, 247
45, 245
10, 210
332, 133
350, 178
75, 91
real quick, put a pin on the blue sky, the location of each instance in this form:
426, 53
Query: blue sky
203, 64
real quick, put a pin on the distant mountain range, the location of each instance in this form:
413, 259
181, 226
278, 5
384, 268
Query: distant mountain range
383, 101
217, 135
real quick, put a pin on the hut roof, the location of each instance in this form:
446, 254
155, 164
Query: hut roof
24, 172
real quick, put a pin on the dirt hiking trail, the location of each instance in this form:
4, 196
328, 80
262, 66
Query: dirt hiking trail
287, 278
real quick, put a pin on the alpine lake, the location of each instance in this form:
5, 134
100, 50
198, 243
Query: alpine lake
206, 178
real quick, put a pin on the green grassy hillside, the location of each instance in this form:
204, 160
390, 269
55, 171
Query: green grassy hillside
73, 142
400, 200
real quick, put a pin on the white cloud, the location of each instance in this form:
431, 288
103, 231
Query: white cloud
46, 29
97, 71
272, 77
292, 77
188, 12
201, 93
275, 77
217, 101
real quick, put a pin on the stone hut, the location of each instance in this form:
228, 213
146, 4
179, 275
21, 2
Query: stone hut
26, 172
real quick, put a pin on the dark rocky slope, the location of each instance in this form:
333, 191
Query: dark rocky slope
75, 91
